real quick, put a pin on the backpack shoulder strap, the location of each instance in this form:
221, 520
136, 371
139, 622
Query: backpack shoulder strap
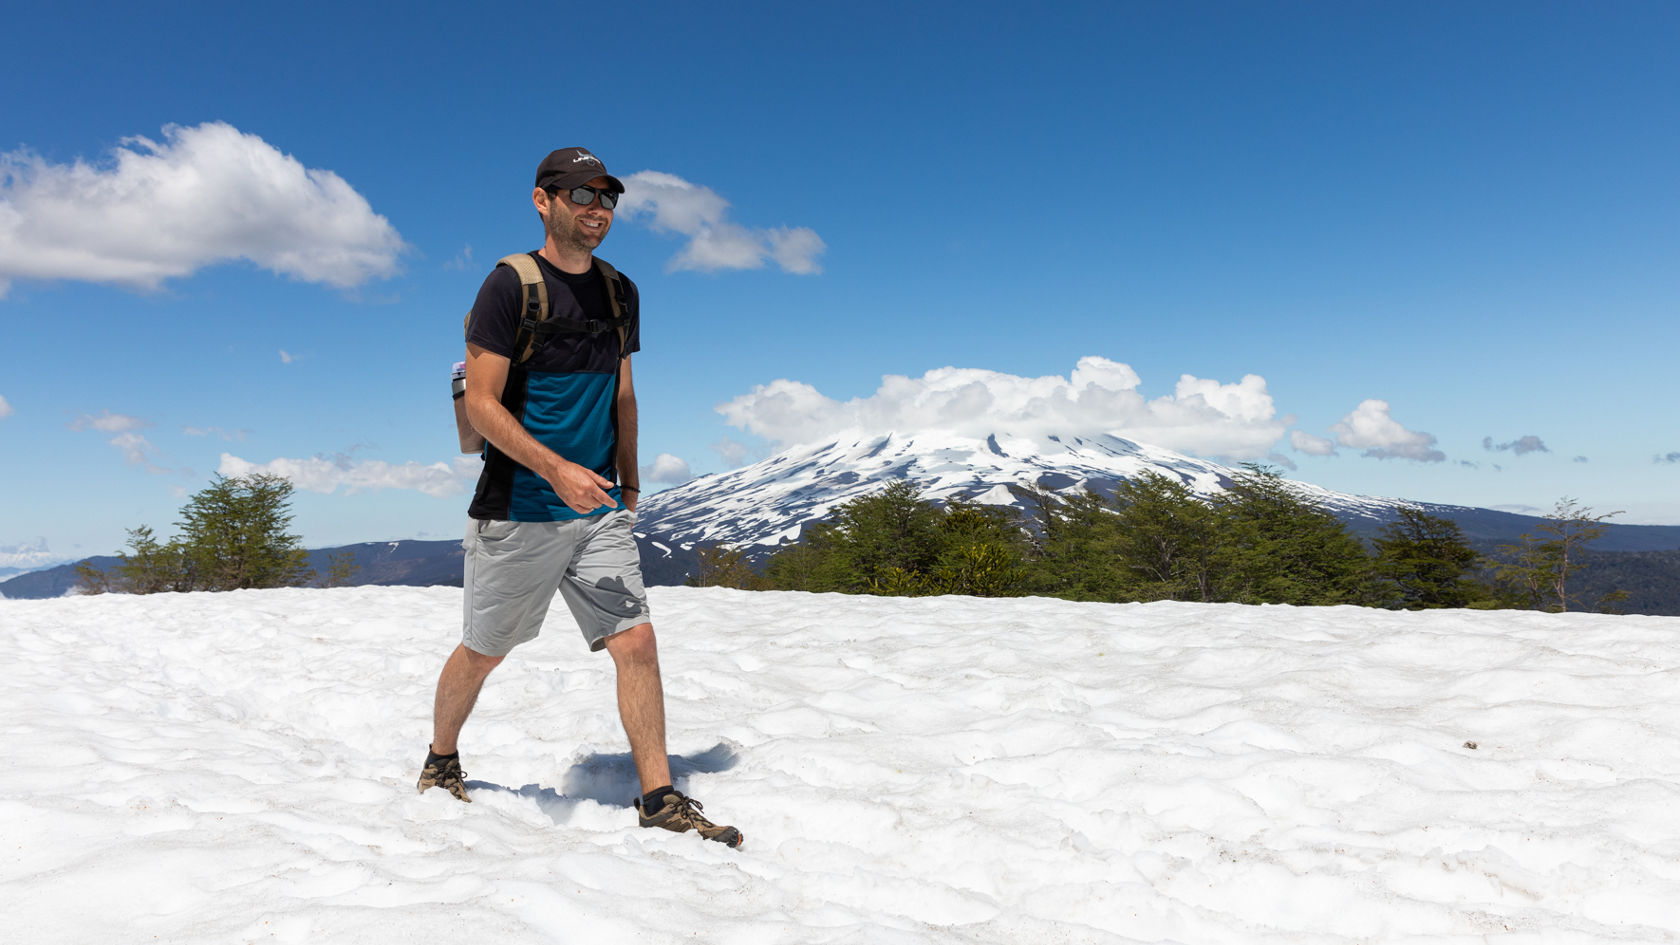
533, 303
615, 297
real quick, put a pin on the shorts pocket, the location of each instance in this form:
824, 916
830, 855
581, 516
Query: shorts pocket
492, 531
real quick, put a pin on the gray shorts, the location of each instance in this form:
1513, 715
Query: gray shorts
513, 569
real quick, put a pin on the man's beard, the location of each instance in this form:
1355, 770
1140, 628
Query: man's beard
563, 229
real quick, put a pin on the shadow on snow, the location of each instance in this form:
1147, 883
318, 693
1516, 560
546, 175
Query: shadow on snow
610, 780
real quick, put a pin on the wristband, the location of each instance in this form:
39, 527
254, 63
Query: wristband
623, 488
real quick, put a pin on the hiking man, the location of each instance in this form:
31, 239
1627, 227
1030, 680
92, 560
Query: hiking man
555, 503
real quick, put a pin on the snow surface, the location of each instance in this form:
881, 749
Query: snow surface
240, 767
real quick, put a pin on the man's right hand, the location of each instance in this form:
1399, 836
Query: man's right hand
581, 489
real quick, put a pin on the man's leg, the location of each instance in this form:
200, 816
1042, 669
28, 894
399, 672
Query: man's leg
641, 703
457, 691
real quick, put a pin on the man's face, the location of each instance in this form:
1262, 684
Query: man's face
578, 227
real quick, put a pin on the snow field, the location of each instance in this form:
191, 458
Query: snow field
240, 768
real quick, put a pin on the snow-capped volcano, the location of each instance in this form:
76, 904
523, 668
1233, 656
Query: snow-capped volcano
757, 506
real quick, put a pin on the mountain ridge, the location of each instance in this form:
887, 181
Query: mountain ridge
758, 506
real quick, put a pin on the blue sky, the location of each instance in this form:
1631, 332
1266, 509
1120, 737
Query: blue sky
1419, 250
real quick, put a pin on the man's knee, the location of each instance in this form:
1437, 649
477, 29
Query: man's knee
476, 663
636, 644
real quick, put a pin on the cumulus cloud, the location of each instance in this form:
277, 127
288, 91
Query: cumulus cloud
1670, 458
734, 453
286, 357
328, 474
5, 409
1522, 446
1311, 445
674, 205
108, 422
136, 449
1370, 428
26, 556
204, 195
1201, 416
667, 469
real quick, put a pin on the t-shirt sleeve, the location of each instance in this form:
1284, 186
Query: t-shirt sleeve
493, 323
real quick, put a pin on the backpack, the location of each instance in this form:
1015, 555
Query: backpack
536, 329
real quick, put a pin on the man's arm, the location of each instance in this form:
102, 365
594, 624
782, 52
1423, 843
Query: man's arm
628, 473
581, 489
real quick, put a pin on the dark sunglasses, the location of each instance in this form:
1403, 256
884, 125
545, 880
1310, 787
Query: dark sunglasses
583, 195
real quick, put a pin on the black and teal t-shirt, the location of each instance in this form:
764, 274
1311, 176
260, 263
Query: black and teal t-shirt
564, 395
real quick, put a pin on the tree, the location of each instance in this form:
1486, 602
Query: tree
982, 552
234, 535
341, 568
1281, 549
1078, 535
876, 535
896, 543
149, 567
1427, 562
1166, 538
1539, 569
723, 566
92, 580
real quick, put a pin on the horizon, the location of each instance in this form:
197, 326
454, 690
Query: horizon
935, 485
1392, 251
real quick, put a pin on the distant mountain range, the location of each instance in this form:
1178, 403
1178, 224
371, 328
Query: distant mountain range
401, 563
759, 506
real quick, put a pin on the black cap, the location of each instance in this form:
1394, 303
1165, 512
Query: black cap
569, 167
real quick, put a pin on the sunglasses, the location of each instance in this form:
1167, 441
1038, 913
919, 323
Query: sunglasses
583, 195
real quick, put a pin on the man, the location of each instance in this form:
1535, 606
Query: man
550, 511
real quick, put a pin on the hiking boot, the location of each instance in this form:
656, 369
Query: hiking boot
444, 771
681, 813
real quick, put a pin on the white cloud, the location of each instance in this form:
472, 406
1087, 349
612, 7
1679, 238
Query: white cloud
328, 474
216, 431
286, 357
27, 556
108, 422
1201, 416
462, 261
1527, 444
734, 453
1370, 428
714, 242
667, 469
136, 450
1311, 445
5, 409
206, 194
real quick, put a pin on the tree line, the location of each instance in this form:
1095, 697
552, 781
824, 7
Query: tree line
1259, 542
233, 535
